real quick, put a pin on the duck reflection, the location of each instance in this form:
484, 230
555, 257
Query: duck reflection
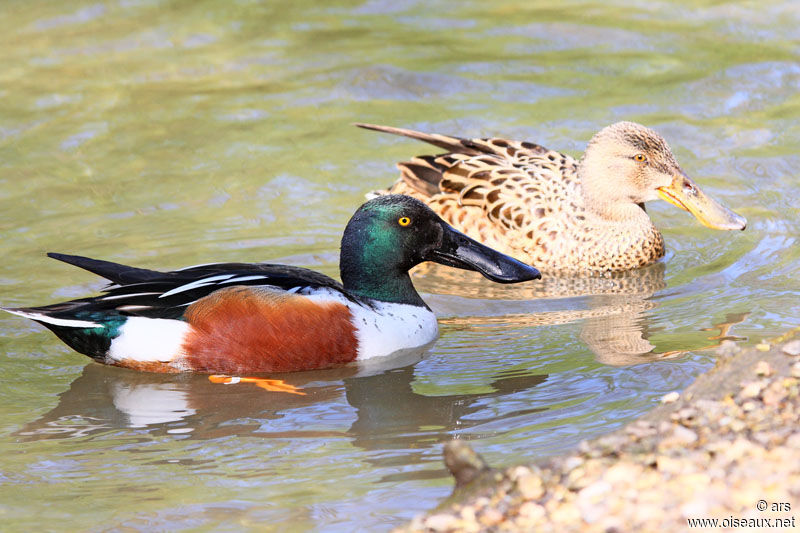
615, 309
389, 413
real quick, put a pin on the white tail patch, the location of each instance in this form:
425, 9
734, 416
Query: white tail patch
66, 322
196, 284
149, 340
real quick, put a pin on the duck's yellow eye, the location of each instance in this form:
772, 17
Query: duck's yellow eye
641, 158
404, 221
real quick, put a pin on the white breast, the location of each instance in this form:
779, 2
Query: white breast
388, 328
384, 328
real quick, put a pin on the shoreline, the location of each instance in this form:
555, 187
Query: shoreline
727, 449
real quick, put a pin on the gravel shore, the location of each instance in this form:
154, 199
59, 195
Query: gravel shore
727, 448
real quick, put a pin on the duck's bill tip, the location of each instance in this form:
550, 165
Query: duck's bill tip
685, 194
459, 251
501, 269
513, 275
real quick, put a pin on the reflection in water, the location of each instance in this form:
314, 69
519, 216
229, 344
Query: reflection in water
105, 398
617, 310
387, 406
641, 282
389, 413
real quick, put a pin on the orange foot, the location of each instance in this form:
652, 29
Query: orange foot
275, 385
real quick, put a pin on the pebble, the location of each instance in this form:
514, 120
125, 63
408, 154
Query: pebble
738, 426
728, 348
763, 369
795, 371
762, 347
532, 510
684, 435
591, 499
518, 472
468, 514
572, 462
491, 517
669, 465
793, 441
752, 389
774, 393
791, 348
530, 486
670, 397
442, 522
622, 472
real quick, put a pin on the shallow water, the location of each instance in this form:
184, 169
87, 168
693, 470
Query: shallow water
164, 135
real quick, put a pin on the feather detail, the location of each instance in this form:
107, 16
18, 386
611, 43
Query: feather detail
523, 200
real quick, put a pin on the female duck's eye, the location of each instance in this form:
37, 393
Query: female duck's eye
640, 158
404, 221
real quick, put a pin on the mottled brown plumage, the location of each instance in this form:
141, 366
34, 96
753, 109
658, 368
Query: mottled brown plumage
545, 208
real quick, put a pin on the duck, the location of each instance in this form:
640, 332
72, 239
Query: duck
250, 318
546, 208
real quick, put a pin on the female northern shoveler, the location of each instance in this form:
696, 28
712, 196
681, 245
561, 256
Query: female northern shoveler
544, 208
237, 318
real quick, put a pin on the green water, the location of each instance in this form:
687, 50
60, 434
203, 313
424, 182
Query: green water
165, 134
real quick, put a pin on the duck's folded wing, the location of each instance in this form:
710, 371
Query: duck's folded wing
153, 294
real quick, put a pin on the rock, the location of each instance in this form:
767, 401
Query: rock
532, 511
670, 397
793, 441
622, 473
468, 514
572, 462
491, 517
463, 462
517, 472
737, 425
774, 394
762, 347
565, 514
752, 389
727, 348
442, 522
640, 429
749, 406
576, 480
763, 369
679, 437
795, 371
530, 487
669, 465
791, 348
590, 501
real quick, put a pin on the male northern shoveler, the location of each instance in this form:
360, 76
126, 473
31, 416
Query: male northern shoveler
544, 208
237, 318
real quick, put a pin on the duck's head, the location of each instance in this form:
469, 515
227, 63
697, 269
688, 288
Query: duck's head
627, 163
389, 235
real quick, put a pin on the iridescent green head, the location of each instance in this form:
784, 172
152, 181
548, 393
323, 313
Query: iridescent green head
391, 234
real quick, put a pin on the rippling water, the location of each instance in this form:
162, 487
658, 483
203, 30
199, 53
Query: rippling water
164, 135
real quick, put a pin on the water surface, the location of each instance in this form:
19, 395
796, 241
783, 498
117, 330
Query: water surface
168, 134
